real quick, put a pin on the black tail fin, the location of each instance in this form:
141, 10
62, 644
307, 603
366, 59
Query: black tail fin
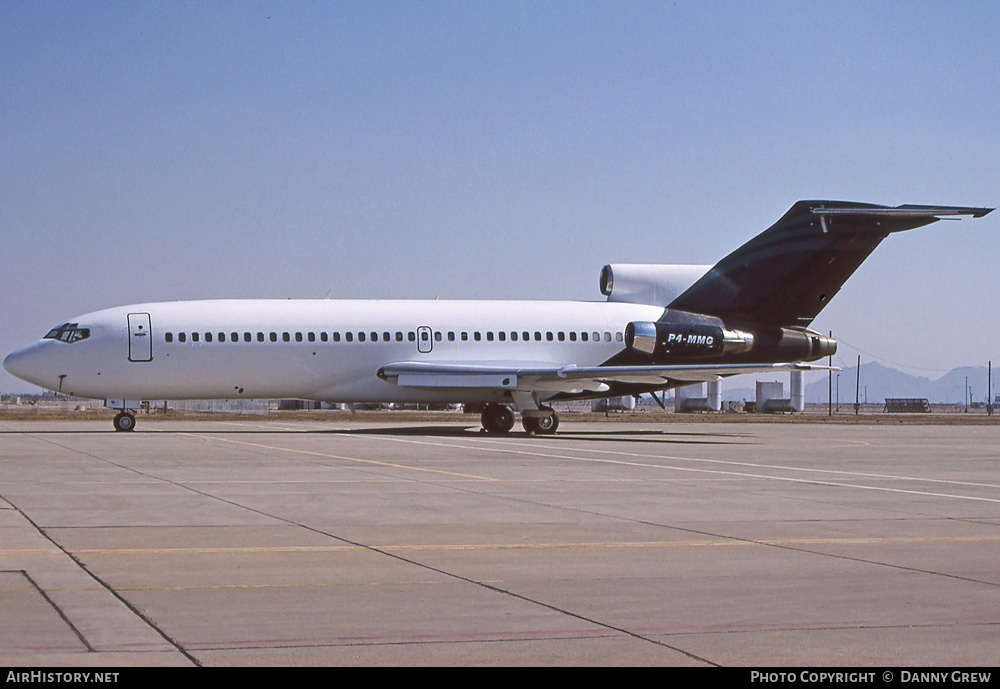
788, 273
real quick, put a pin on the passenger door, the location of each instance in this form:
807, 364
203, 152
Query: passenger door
140, 337
425, 340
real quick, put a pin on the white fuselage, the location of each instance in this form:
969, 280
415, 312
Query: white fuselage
315, 349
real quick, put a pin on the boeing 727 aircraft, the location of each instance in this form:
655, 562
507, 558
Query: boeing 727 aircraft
661, 327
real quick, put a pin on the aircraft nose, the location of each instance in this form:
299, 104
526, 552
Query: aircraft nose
25, 363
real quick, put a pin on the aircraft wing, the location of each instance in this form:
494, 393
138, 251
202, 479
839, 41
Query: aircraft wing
568, 378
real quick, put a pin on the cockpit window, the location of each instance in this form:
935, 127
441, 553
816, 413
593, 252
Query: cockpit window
68, 332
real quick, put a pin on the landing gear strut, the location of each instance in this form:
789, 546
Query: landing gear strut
541, 425
497, 418
124, 421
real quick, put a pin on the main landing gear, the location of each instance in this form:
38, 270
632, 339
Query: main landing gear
124, 421
541, 425
499, 418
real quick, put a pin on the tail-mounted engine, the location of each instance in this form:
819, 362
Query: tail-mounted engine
691, 341
680, 336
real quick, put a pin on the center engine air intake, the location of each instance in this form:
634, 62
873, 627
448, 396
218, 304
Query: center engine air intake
648, 283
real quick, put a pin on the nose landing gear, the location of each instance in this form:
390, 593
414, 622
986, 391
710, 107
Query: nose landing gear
124, 421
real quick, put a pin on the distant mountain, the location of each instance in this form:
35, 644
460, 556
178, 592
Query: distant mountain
883, 381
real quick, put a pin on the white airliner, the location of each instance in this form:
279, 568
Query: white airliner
662, 326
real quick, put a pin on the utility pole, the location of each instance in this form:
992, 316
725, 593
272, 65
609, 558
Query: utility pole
989, 388
857, 389
967, 394
830, 385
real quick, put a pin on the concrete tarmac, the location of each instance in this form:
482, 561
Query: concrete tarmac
259, 542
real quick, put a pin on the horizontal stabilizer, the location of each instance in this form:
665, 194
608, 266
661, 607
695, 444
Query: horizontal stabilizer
907, 211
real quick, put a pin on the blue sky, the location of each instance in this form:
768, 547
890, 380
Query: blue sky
159, 151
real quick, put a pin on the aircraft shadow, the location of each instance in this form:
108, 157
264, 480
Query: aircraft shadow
645, 435
467, 432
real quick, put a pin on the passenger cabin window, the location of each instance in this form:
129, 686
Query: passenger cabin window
182, 337
336, 337
298, 337
208, 337
323, 336
349, 336
273, 337
194, 337
168, 337
399, 336
247, 338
